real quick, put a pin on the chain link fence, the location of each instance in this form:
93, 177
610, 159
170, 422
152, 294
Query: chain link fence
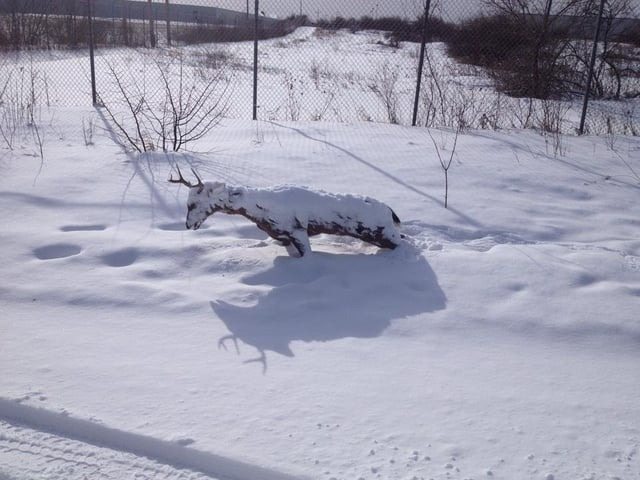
165, 71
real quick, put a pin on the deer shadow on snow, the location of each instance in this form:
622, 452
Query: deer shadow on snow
325, 296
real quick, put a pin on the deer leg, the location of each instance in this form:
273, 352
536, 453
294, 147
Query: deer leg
300, 240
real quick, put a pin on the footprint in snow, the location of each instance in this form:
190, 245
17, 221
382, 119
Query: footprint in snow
172, 227
83, 228
183, 442
56, 250
121, 258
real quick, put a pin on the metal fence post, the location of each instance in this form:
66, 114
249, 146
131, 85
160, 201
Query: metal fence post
152, 31
421, 61
168, 13
94, 94
592, 63
255, 63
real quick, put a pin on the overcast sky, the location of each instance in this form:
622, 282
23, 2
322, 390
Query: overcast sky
447, 9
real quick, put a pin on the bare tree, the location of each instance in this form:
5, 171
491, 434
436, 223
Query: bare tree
445, 164
536, 68
170, 119
612, 63
556, 60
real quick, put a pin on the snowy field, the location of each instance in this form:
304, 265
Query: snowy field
321, 75
501, 340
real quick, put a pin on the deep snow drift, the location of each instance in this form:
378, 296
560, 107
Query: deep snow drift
502, 339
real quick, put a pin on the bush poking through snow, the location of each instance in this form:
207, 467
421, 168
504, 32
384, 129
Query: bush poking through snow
182, 111
24, 91
291, 215
445, 164
385, 87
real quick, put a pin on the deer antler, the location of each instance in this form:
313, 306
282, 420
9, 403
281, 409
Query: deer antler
182, 180
199, 184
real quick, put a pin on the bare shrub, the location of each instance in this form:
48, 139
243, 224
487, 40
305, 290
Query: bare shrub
614, 122
447, 101
211, 60
521, 55
62, 27
445, 164
11, 111
88, 129
314, 73
385, 87
216, 59
397, 29
23, 94
541, 49
183, 111
549, 120
295, 90
522, 110
203, 33
321, 33
630, 124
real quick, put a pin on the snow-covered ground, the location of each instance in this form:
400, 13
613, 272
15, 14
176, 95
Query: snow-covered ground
319, 75
500, 340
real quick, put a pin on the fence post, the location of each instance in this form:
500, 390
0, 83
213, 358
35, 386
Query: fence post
168, 13
592, 63
152, 31
94, 94
421, 61
255, 62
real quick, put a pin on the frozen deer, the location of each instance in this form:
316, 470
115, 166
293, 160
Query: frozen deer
291, 215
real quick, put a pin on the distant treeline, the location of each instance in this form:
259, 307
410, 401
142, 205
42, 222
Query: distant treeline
532, 56
439, 30
63, 24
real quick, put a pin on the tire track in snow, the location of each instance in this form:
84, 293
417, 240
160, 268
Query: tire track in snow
28, 454
34, 441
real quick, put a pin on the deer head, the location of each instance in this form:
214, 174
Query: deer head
204, 199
